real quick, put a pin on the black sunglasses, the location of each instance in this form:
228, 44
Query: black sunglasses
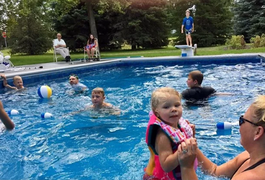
242, 120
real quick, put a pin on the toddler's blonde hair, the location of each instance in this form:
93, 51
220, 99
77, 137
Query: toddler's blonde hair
160, 94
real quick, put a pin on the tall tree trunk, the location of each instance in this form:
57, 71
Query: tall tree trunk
92, 23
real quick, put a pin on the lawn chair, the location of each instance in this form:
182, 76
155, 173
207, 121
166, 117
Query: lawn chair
55, 57
5, 62
96, 55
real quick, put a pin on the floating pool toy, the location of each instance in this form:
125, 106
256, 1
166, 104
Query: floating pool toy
225, 125
46, 115
13, 112
45, 91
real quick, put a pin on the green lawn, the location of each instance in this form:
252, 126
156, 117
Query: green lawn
167, 51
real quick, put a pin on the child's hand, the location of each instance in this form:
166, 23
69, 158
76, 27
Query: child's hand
3, 76
192, 127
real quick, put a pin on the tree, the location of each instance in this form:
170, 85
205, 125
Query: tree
91, 18
8, 12
105, 13
249, 18
31, 34
212, 21
144, 24
73, 25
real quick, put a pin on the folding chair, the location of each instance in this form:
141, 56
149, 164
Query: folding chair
55, 57
96, 54
54, 52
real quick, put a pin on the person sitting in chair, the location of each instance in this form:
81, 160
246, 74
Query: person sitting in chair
91, 46
60, 47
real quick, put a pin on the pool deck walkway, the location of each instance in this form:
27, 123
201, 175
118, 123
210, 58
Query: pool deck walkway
44, 67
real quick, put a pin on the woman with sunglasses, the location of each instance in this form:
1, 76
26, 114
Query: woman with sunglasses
249, 165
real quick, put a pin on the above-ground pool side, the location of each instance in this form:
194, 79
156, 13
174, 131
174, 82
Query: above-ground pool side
222, 59
37, 75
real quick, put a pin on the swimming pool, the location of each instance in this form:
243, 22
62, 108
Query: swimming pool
90, 146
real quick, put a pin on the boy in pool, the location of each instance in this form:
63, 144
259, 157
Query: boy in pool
99, 104
5, 118
17, 81
166, 130
76, 85
196, 91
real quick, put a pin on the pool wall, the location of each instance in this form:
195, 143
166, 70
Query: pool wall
30, 77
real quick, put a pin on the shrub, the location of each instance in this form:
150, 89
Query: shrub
262, 40
255, 41
236, 42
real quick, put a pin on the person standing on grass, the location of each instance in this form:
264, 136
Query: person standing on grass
189, 27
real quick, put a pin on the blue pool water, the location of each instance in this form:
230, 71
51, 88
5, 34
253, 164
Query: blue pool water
92, 146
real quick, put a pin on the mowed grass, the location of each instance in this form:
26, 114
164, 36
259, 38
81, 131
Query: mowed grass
166, 51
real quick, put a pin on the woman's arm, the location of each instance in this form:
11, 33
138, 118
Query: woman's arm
227, 169
5, 118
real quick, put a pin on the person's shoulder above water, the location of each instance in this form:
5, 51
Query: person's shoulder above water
198, 93
79, 87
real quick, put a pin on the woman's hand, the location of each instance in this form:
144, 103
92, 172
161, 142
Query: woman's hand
187, 152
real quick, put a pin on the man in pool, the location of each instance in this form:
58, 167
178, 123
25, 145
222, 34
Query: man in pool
17, 81
76, 85
9, 125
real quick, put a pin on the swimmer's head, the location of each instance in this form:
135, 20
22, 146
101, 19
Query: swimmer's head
195, 78
18, 82
73, 79
98, 90
159, 95
98, 97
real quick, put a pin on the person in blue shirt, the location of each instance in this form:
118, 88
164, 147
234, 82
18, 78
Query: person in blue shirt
189, 27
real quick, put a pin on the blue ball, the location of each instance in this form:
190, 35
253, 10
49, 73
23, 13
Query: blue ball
13, 112
46, 115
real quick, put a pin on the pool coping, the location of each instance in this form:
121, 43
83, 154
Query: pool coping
39, 70
47, 67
